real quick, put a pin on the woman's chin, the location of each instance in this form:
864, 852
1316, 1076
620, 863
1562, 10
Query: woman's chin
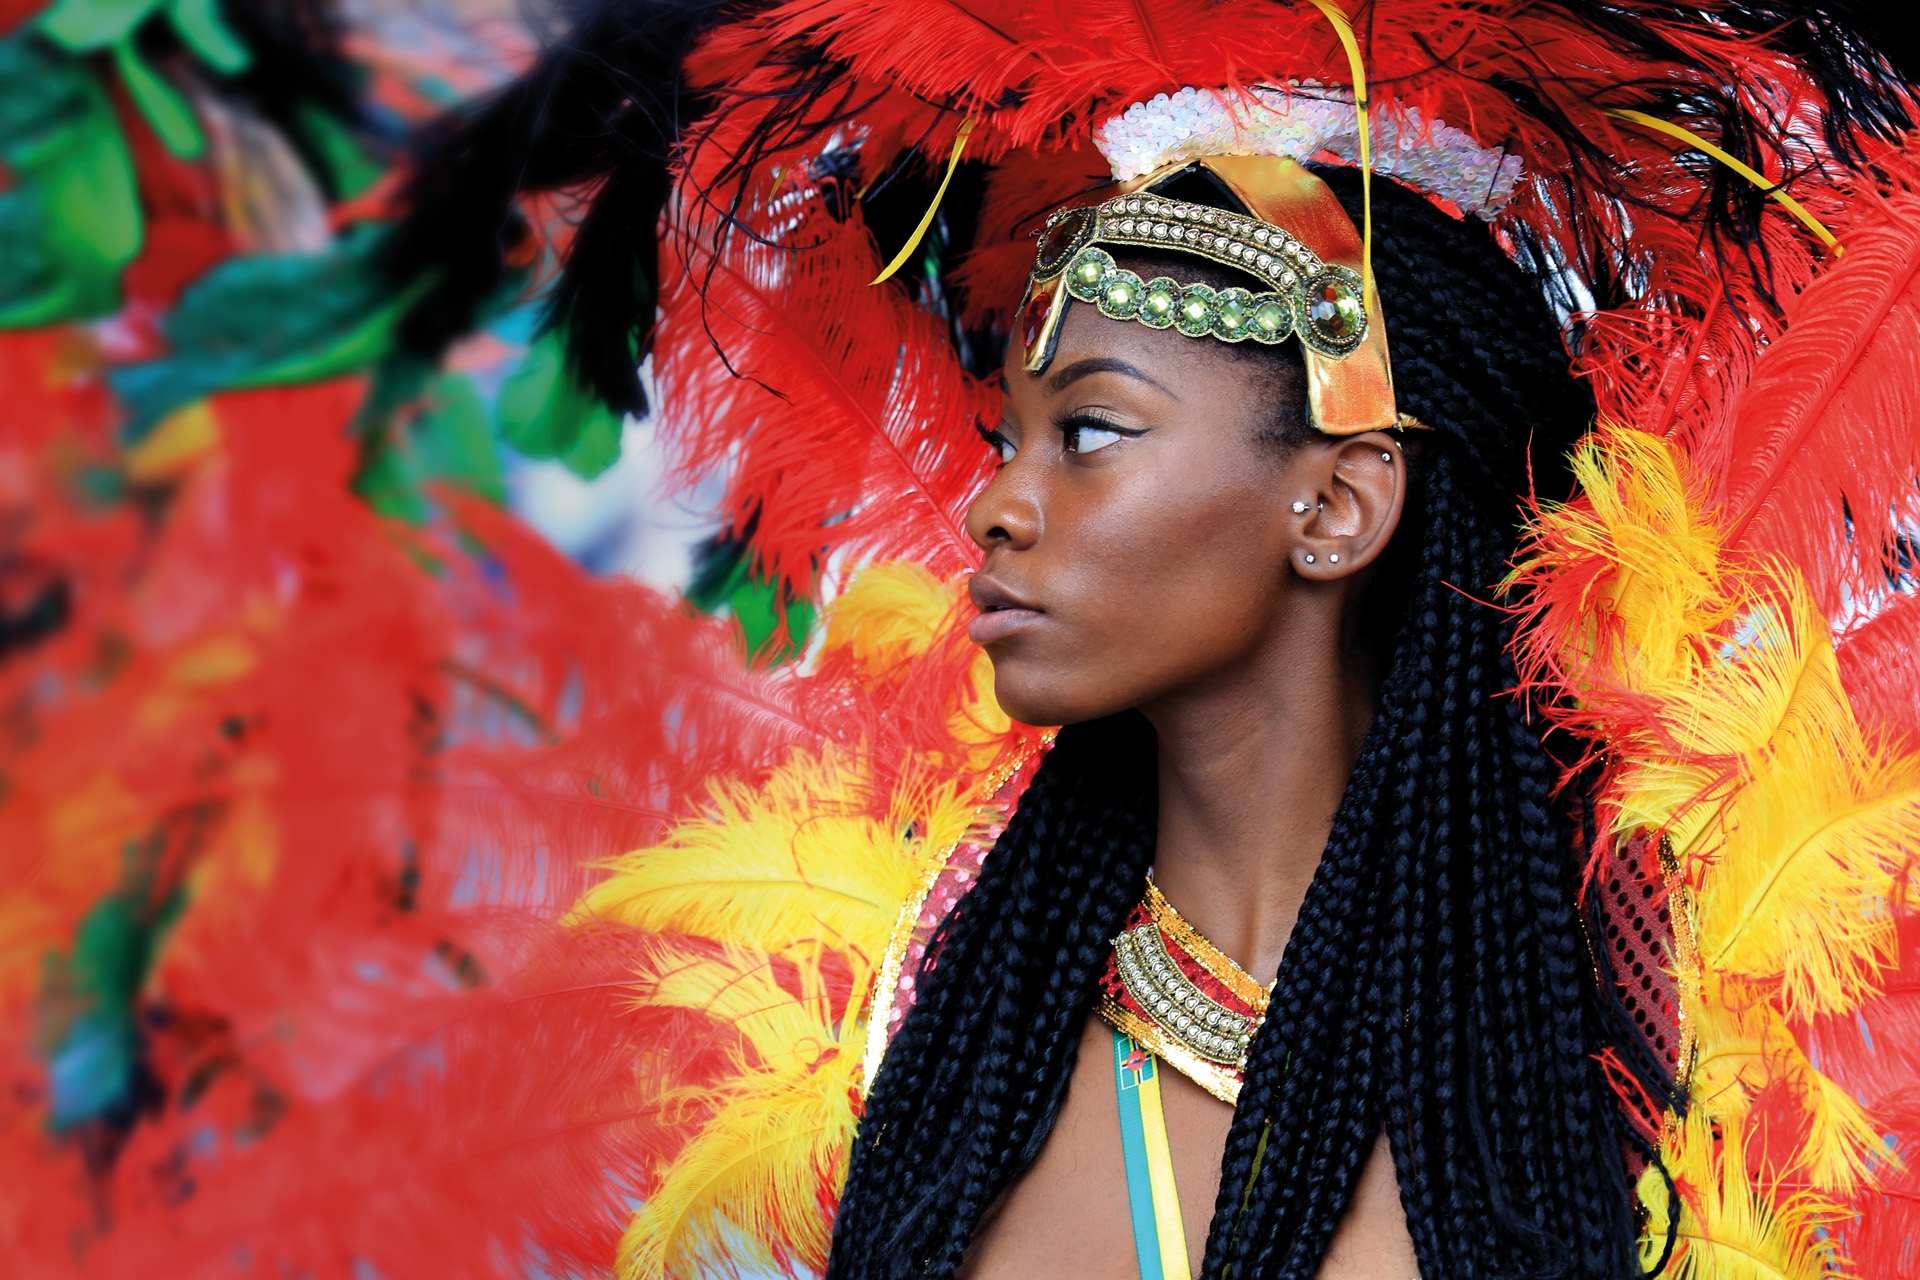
1042, 701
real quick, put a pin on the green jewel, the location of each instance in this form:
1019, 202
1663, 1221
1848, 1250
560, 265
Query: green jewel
1232, 311
1193, 315
1158, 302
1120, 295
1084, 276
1334, 311
1272, 320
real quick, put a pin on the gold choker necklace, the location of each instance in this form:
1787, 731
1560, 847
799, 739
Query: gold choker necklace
1181, 997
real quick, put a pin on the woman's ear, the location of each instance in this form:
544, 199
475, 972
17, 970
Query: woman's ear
1361, 484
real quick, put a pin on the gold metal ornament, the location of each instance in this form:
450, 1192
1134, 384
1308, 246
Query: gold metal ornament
1298, 242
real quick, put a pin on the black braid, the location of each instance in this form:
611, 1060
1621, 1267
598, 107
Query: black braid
978, 1071
1433, 985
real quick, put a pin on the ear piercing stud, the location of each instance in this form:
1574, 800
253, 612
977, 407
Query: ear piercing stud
1333, 559
1385, 456
1309, 557
1299, 508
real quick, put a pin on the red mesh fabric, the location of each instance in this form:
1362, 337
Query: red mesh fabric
1635, 955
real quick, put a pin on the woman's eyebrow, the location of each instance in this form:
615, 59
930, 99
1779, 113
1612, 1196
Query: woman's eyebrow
1100, 364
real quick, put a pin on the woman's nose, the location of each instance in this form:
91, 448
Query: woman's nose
1004, 514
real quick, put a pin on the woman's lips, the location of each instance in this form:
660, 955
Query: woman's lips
999, 624
1002, 613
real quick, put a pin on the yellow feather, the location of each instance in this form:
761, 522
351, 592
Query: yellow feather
747, 1190
1789, 823
756, 1173
1799, 891
1732, 736
815, 860
738, 987
1745, 1046
1665, 588
888, 615
793, 869
978, 722
803, 857
1727, 1229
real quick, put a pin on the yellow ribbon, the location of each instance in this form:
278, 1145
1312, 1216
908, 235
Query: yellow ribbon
1358, 68
926, 220
1754, 176
1166, 1195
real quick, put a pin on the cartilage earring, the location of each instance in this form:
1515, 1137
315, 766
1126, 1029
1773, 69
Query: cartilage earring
1299, 508
1386, 457
1333, 559
1309, 557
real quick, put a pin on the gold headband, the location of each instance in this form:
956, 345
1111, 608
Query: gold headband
1299, 242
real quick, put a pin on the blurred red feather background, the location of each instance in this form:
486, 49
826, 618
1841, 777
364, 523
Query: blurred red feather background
308, 738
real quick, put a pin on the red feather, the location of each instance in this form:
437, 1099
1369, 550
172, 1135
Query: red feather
1820, 458
869, 447
1874, 1054
1878, 669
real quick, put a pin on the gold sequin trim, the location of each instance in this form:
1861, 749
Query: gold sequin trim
1686, 955
886, 979
1211, 958
886, 982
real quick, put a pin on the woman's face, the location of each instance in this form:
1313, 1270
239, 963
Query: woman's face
1139, 536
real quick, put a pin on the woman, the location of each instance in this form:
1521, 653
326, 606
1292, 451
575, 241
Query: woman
1260, 634
1278, 967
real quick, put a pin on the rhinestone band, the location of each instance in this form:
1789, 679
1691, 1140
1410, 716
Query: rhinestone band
1200, 1023
1319, 302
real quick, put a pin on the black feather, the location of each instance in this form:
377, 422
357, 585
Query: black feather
1865, 55
603, 108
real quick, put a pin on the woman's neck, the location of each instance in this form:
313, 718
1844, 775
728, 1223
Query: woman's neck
1252, 770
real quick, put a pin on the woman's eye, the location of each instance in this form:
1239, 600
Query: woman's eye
1085, 436
1003, 448
1088, 439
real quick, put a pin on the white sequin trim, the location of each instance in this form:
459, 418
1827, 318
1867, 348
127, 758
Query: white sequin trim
1302, 122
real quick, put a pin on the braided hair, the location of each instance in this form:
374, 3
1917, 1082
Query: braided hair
1433, 985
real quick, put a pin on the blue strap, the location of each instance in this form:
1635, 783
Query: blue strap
1159, 1235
